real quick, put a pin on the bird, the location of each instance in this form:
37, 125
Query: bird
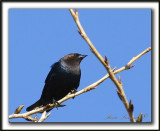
63, 78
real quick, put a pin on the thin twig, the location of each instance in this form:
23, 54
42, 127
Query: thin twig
120, 91
85, 37
34, 111
44, 116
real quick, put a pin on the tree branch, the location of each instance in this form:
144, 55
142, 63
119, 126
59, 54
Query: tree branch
85, 37
105, 63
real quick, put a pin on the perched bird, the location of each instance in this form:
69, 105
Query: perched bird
63, 78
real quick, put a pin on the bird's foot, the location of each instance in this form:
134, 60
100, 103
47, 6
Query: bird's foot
57, 104
73, 92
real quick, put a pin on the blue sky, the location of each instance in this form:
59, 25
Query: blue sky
40, 37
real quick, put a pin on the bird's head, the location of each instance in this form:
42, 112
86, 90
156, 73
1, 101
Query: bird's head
73, 59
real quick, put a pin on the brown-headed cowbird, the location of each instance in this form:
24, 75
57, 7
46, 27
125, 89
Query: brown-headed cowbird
63, 78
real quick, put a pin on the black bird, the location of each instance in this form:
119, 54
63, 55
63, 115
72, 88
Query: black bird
63, 78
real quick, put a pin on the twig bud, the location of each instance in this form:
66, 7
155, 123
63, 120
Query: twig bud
36, 118
114, 69
139, 119
18, 110
79, 31
119, 94
76, 12
131, 107
106, 60
129, 66
119, 80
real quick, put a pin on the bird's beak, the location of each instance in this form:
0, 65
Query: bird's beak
82, 56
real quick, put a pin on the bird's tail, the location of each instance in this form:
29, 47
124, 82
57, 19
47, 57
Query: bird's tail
36, 104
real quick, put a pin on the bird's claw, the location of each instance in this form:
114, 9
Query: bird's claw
73, 92
57, 104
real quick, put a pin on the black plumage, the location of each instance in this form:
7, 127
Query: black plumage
63, 77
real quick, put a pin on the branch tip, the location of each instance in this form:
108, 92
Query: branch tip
139, 119
72, 12
76, 12
18, 110
48, 114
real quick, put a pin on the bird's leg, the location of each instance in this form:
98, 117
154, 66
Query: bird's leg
73, 92
57, 104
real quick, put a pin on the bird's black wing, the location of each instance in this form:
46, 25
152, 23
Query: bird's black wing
52, 72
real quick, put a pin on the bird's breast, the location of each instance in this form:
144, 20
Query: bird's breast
71, 69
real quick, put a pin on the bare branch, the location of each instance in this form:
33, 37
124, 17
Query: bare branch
120, 92
34, 111
138, 56
44, 116
107, 66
